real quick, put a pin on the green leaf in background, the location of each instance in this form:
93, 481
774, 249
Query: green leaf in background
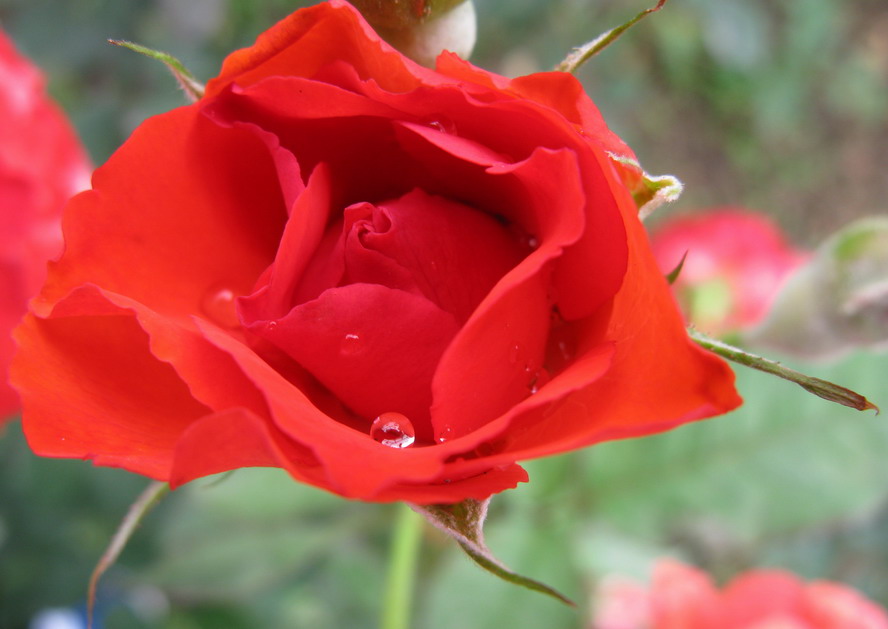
280, 553
781, 463
727, 493
134, 516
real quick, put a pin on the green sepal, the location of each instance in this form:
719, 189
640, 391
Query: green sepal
821, 388
648, 191
674, 273
464, 522
579, 56
193, 88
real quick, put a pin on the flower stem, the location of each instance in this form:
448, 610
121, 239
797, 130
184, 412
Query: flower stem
401, 576
137, 511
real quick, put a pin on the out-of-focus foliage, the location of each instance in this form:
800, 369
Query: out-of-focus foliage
779, 106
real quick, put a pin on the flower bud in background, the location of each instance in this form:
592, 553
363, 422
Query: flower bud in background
682, 597
836, 302
41, 164
423, 29
736, 263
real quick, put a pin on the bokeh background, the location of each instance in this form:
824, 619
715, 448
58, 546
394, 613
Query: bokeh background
781, 106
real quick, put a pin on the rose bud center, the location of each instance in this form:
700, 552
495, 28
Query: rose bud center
387, 289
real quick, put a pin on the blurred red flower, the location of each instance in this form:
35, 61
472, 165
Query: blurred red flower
736, 263
41, 164
682, 597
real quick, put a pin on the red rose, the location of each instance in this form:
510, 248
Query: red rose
737, 262
336, 254
683, 597
41, 165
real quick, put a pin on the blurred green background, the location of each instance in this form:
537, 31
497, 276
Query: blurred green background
781, 106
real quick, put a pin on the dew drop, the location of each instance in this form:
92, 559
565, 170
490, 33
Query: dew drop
218, 306
446, 434
514, 352
393, 430
533, 242
350, 345
538, 380
271, 326
442, 125
565, 350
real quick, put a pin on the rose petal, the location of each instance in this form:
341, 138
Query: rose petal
233, 439
835, 606
174, 161
299, 45
375, 348
451, 253
654, 360
301, 238
493, 360
41, 164
92, 389
355, 465
355, 141
682, 596
453, 489
760, 594
565, 94
460, 147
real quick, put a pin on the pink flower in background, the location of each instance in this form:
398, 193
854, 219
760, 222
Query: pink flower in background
682, 597
736, 263
41, 164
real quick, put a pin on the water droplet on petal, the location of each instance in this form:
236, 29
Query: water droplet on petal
350, 345
539, 378
566, 351
393, 430
445, 435
218, 306
443, 125
533, 242
271, 326
514, 351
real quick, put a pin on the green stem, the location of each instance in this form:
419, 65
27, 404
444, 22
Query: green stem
401, 577
137, 511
